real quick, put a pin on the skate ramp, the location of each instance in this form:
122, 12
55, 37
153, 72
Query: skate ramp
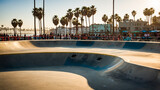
98, 65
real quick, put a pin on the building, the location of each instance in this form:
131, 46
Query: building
63, 30
131, 26
100, 29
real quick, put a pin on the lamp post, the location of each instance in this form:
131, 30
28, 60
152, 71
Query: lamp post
35, 19
43, 17
113, 17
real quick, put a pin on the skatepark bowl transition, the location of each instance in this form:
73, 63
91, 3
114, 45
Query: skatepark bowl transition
79, 65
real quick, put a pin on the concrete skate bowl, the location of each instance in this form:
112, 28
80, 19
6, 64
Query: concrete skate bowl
70, 65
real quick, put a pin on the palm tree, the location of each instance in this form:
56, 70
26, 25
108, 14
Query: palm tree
38, 12
40, 15
93, 11
20, 23
134, 14
84, 13
126, 17
14, 23
76, 14
89, 14
152, 12
66, 23
119, 19
140, 19
70, 16
35, 14
147, 13
104, 19
55, 21
116, 17
75, 23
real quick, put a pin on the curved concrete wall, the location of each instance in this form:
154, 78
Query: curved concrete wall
109, 65
140, 46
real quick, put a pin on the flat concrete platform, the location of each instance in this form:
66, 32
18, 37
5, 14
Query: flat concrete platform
117, 65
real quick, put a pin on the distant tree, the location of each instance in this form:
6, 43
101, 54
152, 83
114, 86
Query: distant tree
89, 14
70, 16
76, 14
75, 23
55, 21
66, 23
93, 11
134, 14
147, 13
119, 19
35, 14
104, 19
84, 13
126, 17
152, 11
20, 23
14, 23
38, 12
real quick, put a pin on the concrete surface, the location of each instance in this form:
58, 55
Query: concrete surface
70, 65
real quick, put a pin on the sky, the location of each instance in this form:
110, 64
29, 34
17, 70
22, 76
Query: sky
22, 9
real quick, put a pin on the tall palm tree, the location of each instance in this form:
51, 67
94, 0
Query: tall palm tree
38, 12
40, 15
20, 23
134, 14
152, 12
104, 19
55, 21
82, 23
66, 23
93, 11
76, 14
14, 23
75, 23
147, 13
84, 13
35, 14
119, 19
89, 14
116, 17
70, 16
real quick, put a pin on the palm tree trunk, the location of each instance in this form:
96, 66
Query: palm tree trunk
86, 23
14, 30
92, 22
92, 19
40, 29
56, 30
70, 26
20, 31
89, 24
